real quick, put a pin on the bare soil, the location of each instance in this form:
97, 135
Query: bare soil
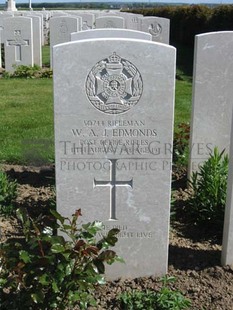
194, 253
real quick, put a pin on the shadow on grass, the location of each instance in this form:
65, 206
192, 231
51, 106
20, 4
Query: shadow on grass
184, 61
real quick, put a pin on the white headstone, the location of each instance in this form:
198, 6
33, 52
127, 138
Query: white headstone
88, 19
18, 42
109, 22
212, 96
58, 13
2, 16
158, 27
110, 33
42, 25
132, 21
46, 18
37, 45
227, 244
60, 30
113, 128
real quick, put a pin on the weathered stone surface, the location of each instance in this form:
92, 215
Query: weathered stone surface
212, 96
109, 22
158, 27
18, 42
110, 33
113, 128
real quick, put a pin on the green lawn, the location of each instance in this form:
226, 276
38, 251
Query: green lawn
46, 55
26, 118
183, 102
26, 107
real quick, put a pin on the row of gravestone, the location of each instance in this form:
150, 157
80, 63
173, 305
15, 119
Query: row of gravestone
128, 141
114, 126
24, 35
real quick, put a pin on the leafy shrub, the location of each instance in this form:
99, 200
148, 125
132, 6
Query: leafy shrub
209, 186
43, 270
165, 299
29, 72
8, 192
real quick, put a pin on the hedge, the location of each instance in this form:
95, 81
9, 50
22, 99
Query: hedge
187, 21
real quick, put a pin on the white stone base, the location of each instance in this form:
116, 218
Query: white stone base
11, 6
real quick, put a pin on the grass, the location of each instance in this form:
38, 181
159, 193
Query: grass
46, 55
26, 107
26, 119
183, 102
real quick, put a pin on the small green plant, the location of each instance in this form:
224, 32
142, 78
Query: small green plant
181, 144
169, 299
8, 192
138, 300
44, 270
29, 72
165, 299
209, 185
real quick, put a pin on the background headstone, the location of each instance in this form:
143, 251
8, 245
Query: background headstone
227, 244
113, 127
132, 21
158, 27
109, 22
110, 33
18, 42
88, 19
2, 16
212, 96
37, 44
60, 30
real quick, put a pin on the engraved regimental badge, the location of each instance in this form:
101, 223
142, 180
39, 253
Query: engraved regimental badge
155, 29
114, 85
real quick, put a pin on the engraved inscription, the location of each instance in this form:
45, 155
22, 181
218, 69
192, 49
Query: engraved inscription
109, 24
63, 29
155, 29
17, 43
113, 183
135, 20
85, 26
114, 85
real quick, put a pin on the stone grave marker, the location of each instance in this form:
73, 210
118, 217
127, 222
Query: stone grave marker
46, 18
2, 16
212, 96
227, 244
18, 42
110, 33
60, 30
109, 22
41, 24
37, 44
114, 126
158, 27
132, 21
88, 19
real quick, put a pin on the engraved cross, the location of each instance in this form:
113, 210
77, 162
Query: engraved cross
17, 43
113, 183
